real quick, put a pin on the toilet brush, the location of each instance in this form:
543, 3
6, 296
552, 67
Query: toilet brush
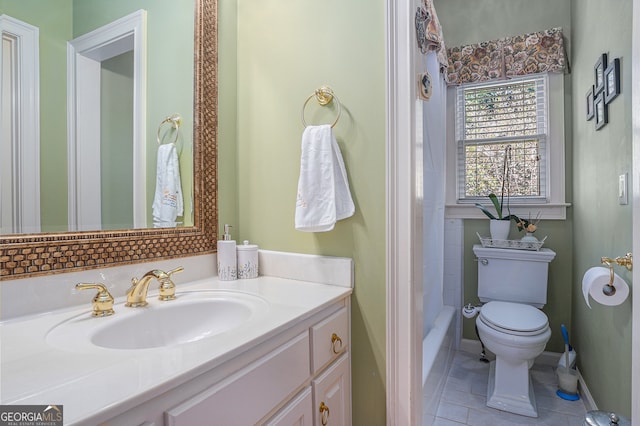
568, 358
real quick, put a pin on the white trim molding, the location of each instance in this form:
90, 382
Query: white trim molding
404, 322
635, 105
470, 211
25, 124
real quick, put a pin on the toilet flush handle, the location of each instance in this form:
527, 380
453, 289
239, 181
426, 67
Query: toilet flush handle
484, 261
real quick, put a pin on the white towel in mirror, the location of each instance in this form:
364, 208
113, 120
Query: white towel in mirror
167, 202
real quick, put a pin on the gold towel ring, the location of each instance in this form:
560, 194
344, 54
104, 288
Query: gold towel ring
176, 122
324, 96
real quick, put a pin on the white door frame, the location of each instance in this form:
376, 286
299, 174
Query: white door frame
84, 55
635, 166
25, 126
403, 271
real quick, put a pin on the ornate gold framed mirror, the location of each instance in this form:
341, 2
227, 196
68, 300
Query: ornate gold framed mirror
23, 256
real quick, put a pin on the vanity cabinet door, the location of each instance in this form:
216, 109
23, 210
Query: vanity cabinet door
247, 396
298, 412
329, 339
332, 394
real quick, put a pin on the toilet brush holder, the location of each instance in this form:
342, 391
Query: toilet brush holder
567, 383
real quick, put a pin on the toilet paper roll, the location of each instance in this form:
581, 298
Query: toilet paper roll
597, 277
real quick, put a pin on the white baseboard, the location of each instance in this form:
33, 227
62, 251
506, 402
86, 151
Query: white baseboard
587, 398
546, 358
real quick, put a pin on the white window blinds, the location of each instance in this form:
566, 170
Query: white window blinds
492, 116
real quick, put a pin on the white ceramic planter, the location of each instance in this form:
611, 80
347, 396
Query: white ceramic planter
499, 229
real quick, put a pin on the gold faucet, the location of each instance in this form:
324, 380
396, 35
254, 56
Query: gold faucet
102, 303
137, 293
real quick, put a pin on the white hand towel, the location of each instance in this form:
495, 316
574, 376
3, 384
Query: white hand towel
323, 189
167, 202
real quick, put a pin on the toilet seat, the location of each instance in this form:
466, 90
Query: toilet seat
514, 318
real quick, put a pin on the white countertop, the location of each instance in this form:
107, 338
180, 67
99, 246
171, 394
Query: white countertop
98, 382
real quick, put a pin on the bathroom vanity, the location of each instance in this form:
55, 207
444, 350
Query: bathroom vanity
280, 352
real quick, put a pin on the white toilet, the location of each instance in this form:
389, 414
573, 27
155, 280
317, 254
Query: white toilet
512, 284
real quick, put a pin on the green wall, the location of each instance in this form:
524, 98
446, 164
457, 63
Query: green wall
492, 19
228, 115
286, 50
602, 227
465, 21
116, 137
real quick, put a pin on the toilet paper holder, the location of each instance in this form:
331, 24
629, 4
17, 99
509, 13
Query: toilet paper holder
626, 261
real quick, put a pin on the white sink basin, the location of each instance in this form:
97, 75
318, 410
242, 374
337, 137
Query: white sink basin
192, 316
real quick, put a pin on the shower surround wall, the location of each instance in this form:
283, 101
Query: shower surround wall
433, 148
442, 246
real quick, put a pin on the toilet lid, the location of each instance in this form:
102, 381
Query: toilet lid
514, 318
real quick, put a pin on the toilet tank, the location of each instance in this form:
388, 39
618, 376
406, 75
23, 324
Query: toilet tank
513, 275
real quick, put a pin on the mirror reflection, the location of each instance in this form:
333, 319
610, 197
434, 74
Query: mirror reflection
107, 74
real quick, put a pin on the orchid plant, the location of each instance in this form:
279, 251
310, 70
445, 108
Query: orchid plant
499, 203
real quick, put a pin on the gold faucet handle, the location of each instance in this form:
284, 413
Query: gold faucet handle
167, 287
102, 302
175, 271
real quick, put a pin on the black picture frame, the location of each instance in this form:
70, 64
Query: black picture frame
601, 111
612, 81
589, 104
599, 68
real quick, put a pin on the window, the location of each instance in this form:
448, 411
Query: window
498, 120
526, 114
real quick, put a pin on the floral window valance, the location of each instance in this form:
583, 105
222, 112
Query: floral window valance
533, 53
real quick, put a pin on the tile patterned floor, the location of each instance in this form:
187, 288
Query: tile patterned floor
464, 397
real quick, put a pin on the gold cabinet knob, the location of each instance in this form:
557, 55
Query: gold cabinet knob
335, 341
324, 411
102, 302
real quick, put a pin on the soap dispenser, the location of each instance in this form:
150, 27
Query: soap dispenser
227, 262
